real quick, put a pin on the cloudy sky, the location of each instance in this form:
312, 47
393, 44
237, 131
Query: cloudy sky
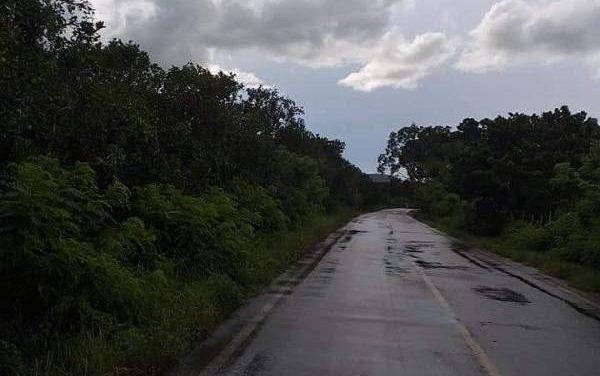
362, 68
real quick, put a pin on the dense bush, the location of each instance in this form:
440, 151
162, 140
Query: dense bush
524, 235
65, 263
205, 236
515, 167
257, 204
434, 200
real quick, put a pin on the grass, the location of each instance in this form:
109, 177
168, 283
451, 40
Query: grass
579, 276
184, 312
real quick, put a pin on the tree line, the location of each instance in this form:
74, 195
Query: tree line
127, 189
533, 180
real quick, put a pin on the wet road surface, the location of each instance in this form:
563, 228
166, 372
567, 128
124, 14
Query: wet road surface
394, 297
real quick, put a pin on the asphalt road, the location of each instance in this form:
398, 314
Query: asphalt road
395, 297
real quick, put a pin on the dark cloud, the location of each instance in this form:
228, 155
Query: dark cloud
313, 32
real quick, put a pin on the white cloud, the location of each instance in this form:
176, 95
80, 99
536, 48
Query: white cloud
249, 79
402, 64
594, 62
542, 30
119, 13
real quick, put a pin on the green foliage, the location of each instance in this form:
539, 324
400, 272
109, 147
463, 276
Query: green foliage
435, 201
524, 235
53, 224
300, 188
205, 236
515, 167
567, 237
262, 210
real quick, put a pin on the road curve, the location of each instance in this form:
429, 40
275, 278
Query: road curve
395, 297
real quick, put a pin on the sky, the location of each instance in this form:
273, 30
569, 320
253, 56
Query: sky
363, 68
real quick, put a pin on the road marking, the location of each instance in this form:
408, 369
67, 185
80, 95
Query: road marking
484, 360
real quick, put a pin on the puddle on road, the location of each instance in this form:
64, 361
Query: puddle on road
393, 269
437, 265
354, 232
346, 239
393, 250
417, 246
257, 365
350, 234
392, 261
502, 294
324, 276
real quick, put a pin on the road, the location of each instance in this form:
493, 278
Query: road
394, 297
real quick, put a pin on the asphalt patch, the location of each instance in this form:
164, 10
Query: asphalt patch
257, 366
346, 239
437, 265
393, 269
502, 295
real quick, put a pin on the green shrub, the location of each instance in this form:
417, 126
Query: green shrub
298, 186
74, 268
204, 235
527, 236
224, 292
565, 226
131, 243
261, 208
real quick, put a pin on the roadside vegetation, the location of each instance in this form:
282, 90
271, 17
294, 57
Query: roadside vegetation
527, 186
140, 205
